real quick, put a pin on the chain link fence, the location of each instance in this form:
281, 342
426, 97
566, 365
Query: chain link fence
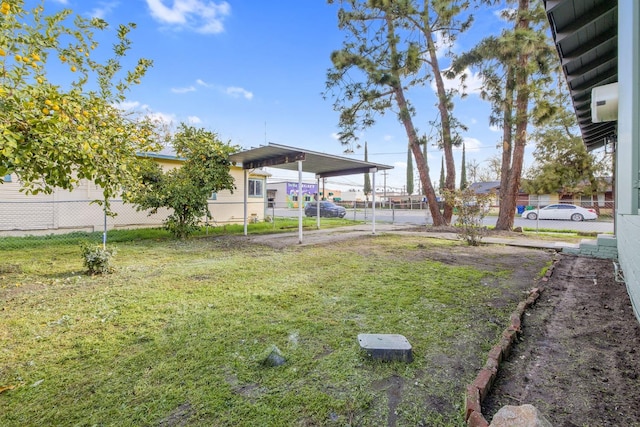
24, 223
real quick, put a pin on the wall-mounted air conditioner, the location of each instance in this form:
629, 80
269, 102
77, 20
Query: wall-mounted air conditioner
604, 103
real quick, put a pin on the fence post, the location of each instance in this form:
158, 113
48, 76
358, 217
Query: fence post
104, 232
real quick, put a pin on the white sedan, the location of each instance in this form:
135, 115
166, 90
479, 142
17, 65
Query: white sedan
561, 211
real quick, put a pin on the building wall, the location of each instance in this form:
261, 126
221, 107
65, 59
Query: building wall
286, 193
64, 211
628, 148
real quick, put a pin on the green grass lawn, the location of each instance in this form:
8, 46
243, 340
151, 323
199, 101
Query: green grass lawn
176, 335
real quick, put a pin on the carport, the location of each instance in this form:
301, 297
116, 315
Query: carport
292, 159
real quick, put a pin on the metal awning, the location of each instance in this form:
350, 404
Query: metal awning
585, 33
292, 158
321, 164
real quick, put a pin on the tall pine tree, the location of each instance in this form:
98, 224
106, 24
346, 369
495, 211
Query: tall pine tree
515, 68
409, 172
393, 46
367, 178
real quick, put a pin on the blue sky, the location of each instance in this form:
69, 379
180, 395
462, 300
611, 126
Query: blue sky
253, 71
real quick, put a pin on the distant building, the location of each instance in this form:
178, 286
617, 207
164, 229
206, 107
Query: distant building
284, 194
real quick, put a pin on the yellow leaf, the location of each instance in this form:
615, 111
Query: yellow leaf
6, 387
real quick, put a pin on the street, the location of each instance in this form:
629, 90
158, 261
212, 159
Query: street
423, 217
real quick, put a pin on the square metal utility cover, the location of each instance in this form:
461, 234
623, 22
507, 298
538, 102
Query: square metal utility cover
386, 347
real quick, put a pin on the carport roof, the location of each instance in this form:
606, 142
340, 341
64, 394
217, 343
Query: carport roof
585, 33
285, 157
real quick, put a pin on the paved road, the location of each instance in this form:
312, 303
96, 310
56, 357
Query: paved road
422, 217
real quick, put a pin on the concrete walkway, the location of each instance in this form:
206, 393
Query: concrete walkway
311, 237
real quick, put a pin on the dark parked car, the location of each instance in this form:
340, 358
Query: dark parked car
327, 209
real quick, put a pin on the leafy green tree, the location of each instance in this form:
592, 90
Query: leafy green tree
54, 134
185, 190
392, 45
563, 164
409, 172
463, 171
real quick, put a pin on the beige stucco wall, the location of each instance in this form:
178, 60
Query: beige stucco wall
64, 211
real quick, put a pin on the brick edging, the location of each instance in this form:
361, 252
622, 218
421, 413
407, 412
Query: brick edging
481, 386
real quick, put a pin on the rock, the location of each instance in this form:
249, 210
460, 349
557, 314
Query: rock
521, 416
273, 357
517, 230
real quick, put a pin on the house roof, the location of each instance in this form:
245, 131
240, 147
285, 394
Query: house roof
285, 157
585, 33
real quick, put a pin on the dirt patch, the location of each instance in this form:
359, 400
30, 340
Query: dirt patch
578, 358
179, 417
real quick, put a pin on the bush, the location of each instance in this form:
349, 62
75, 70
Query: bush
96, 259
471, 209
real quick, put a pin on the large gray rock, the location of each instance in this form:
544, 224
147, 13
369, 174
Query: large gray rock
521, 416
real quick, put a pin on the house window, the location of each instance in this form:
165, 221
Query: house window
541, 200
256, 188
7, 178
213, 196
586, 201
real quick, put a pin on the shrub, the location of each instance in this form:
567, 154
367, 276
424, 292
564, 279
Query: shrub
471, 209
97, 259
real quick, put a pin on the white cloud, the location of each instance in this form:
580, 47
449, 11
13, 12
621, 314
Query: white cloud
443, 44
203, 83
102, 10
387, 138
128, 105
237, 92
470, 145
233, 91
62, 1
472, 83
167, 118
194, 120
201, 16
183, 89
494, 128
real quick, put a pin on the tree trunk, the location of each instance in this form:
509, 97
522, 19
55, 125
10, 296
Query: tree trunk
512, 183
445, 121
421, 163
414, 144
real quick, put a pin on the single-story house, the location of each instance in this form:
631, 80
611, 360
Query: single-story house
63, 211
598, 43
